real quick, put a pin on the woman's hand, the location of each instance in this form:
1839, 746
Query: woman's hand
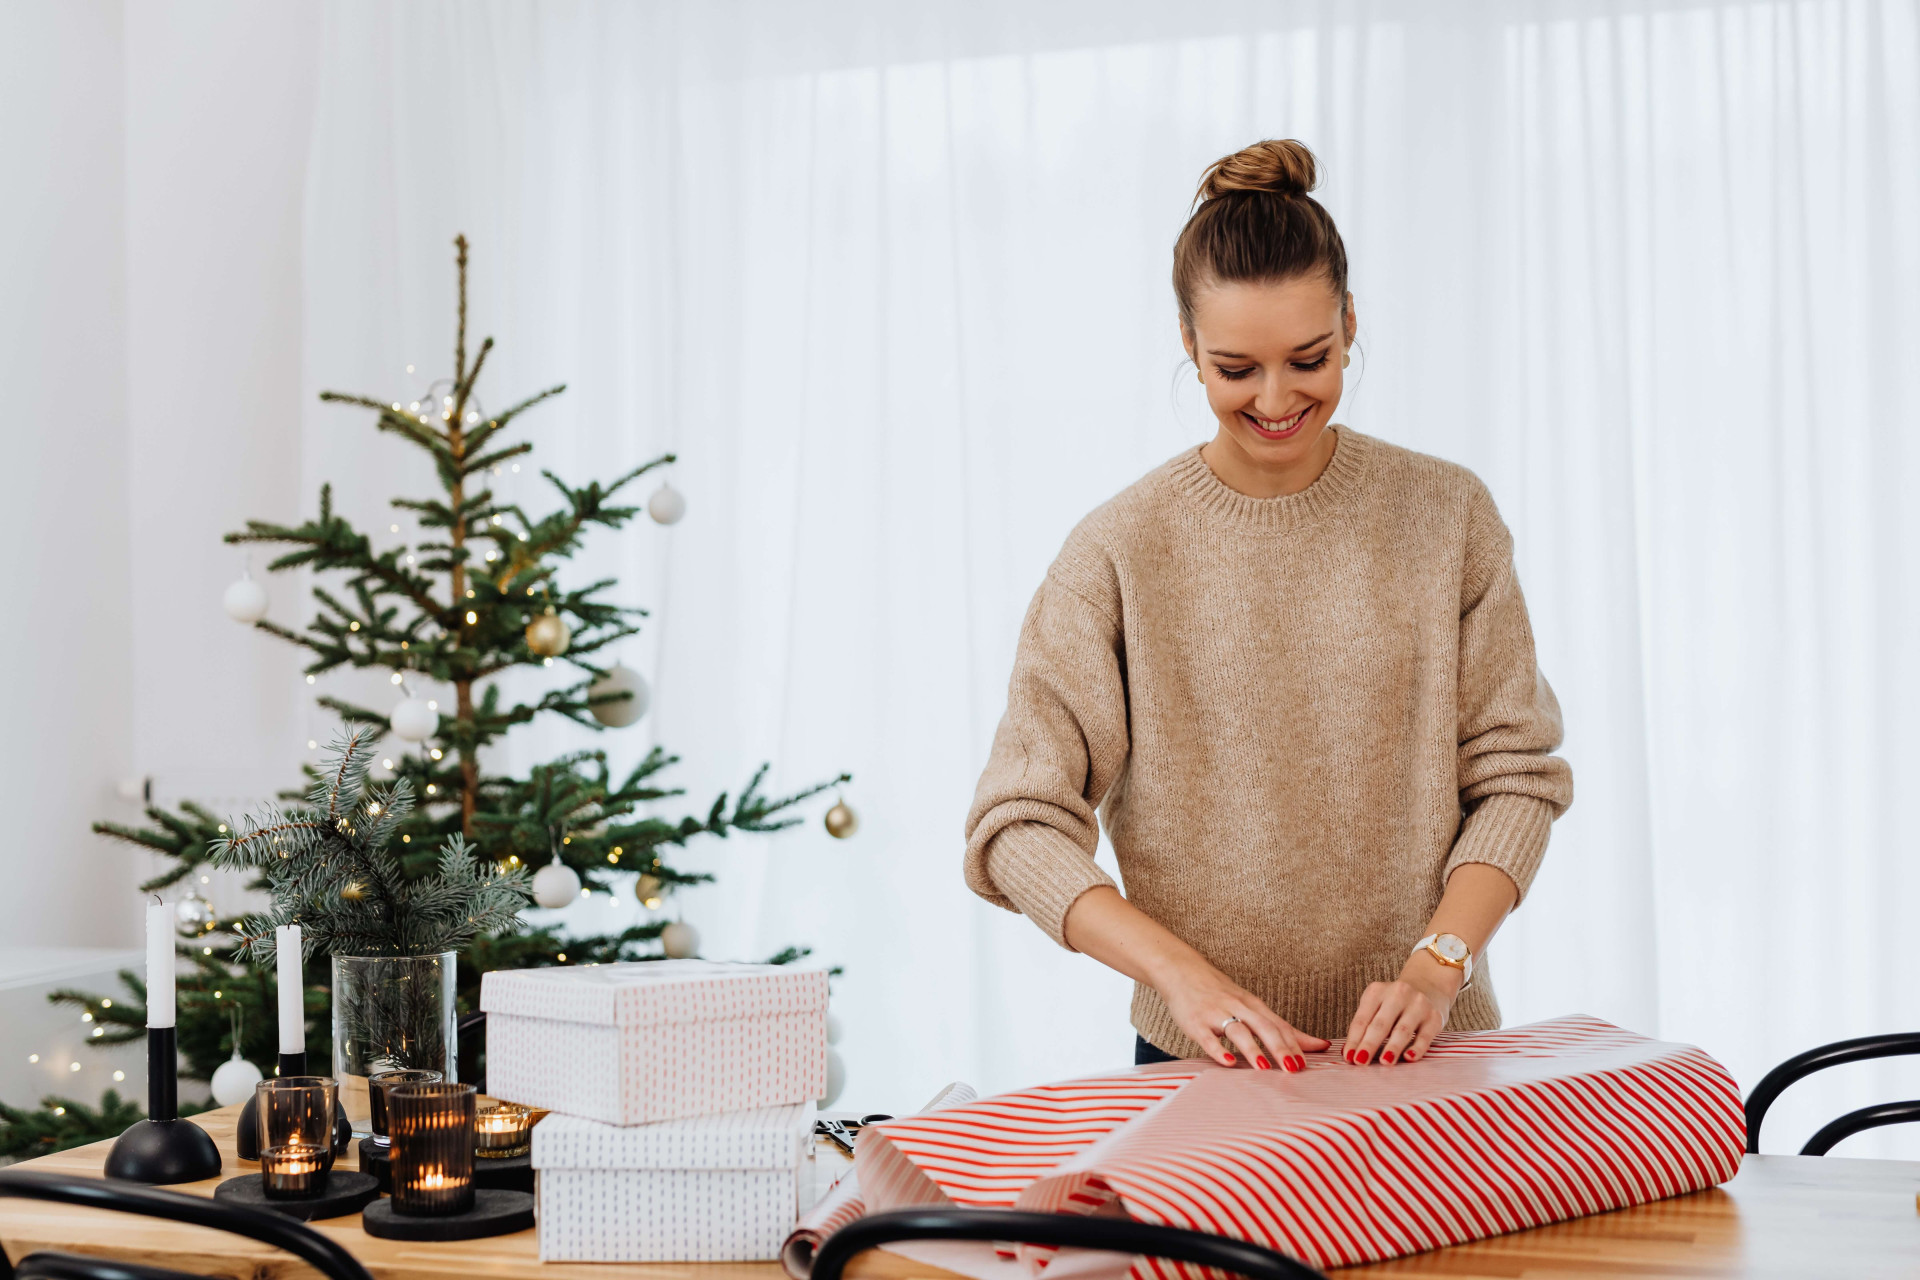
1396, 1021
1202, 999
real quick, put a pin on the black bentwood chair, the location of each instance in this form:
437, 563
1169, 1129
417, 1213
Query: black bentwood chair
298, 1239
1836, 1054
1121, 1235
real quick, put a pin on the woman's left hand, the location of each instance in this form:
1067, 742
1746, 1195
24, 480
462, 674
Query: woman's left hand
1396, 1021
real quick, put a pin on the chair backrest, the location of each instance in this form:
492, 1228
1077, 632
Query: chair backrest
298, 1239
1840, 1052
1068, 1230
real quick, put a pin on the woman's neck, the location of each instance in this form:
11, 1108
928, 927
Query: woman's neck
1244, 474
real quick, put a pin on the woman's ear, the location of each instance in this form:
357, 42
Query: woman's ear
1353, 322
1186, 340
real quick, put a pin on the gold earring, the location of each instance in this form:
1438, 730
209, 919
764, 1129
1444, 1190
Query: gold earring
1346, 360
1202, 375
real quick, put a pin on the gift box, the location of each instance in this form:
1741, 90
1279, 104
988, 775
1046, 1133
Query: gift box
717, 1188
655, 1040
1487, 1133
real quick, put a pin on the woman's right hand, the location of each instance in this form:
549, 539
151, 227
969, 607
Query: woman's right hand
1203, 1000
1113, 931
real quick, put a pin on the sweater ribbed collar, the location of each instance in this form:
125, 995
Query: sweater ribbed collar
1337, 486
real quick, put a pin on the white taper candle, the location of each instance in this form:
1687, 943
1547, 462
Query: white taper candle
293, 1014
159, 964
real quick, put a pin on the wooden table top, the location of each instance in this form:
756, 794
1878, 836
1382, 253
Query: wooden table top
1783, 1216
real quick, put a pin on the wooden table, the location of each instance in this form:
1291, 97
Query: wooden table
1784, 1216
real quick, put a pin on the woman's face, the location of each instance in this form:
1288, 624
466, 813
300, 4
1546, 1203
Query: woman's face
1271, 356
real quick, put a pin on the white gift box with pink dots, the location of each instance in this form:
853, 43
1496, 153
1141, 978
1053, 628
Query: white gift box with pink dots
719, 1188
628, 1044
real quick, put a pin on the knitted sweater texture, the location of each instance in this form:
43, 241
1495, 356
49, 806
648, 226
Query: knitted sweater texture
1295, 716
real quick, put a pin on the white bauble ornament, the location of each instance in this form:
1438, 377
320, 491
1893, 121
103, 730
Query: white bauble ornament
245, 601
834, 1029
555, 885
623, 712
679, 940
647, 889
414, 721
193, 912
233, 1080
836, 1078
666, 506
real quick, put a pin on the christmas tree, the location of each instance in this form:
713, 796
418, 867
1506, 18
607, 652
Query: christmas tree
477, 595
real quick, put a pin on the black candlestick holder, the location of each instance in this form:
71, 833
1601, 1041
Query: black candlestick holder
163, 1148
246, 1139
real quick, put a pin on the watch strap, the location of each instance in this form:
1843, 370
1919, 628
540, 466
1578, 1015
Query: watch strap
1465, 966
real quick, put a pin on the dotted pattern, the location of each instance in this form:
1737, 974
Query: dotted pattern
629, 1044
721, 1188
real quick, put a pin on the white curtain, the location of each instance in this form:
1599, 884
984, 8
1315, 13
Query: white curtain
892, 281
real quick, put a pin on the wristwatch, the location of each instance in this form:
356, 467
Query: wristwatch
1451, 950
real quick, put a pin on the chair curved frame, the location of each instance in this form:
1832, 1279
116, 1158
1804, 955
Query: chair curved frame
1839, 1053
1121, 1235
298, 1239
1858, 1121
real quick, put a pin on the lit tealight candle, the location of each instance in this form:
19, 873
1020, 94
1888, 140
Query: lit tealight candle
503, 1130
291, 1173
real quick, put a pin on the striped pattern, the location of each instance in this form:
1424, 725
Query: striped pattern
1491, 1132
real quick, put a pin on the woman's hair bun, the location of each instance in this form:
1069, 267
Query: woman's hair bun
1279, 165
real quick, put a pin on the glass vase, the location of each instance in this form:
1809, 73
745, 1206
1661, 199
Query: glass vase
390, 1013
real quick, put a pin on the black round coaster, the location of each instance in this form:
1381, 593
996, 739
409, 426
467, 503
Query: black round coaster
346, 1192
494, 1213
377, 1161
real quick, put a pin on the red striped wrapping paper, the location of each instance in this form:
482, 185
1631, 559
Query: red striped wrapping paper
1491, 1132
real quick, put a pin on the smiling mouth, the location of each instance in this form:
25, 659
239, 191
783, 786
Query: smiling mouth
1284, 428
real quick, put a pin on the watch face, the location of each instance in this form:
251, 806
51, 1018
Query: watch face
1451, 947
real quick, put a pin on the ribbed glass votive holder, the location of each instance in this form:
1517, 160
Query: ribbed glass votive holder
432, 1130
502, 1130
377, 1086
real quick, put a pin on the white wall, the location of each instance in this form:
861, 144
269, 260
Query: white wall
150, 352
66, 700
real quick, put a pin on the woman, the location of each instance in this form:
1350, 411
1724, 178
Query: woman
1293, 672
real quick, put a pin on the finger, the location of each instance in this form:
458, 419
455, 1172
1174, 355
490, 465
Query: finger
1242, 1037
1423, 1041
1282, 1045
1404, 1033
1379, 1029
1369, 1005
1208, 1038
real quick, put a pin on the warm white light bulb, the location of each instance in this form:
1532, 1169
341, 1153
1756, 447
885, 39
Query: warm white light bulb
433, 706
309, 679
396, 677
312, 745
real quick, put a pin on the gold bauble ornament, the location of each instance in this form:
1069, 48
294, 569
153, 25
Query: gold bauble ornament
353, 892
647, 889
842, 821
548, 636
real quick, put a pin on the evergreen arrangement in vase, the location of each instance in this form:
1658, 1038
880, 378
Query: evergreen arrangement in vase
476, 595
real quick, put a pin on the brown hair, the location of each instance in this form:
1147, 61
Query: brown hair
1253, 220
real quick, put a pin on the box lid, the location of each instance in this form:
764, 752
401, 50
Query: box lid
654, 991
766, 1138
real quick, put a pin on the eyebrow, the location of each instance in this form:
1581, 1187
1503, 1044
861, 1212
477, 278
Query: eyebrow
1235, 355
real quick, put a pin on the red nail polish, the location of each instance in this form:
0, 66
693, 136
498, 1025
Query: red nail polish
1296, 1064
1361, 1057
1262, 1063
1387, 1057
1229, 1059
1411, 1055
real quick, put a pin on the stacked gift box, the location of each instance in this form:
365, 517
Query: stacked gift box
682, 1094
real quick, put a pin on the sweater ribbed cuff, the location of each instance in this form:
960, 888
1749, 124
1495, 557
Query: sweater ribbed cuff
1507, 831
1043, 873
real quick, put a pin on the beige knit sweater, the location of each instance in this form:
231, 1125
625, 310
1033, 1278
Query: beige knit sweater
1295, 715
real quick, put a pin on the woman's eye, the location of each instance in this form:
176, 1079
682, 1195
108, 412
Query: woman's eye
1308, 366
1233, 375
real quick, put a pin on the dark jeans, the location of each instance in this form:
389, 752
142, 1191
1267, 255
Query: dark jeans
1143, 1053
